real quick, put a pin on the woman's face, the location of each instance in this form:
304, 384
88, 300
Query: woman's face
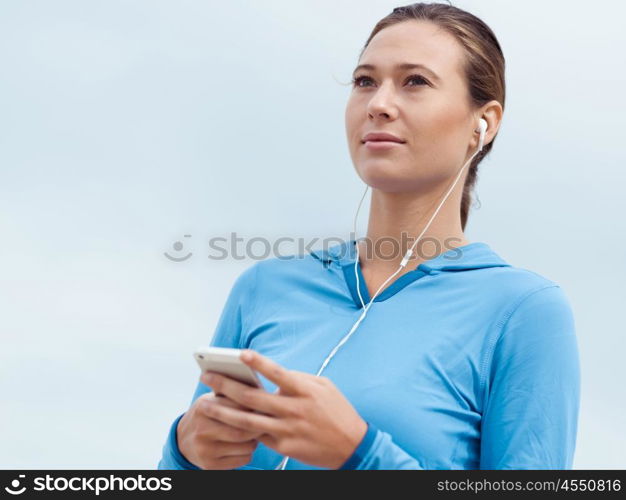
431, 114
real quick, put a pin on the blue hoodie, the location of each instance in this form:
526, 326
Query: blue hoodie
465, 362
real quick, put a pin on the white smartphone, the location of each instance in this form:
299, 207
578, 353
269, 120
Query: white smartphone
226, 361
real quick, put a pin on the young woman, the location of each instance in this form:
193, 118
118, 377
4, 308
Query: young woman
444, 357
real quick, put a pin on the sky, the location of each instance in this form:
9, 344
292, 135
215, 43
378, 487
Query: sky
133, 129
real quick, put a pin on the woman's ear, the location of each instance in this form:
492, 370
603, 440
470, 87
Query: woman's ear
492, 114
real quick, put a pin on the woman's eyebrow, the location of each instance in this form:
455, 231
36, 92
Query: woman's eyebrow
400, 66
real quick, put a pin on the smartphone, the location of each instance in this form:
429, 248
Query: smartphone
226, 361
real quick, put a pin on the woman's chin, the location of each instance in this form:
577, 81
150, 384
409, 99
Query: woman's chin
386, 179
389, 183
391, 179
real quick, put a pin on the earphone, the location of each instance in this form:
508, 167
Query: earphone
482, 129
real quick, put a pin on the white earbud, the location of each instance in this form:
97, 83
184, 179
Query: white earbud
482, 128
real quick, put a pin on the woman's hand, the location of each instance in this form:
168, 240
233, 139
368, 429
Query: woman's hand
210, 444
308, 418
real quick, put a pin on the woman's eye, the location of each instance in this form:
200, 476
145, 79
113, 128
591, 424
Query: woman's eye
356, 81
417, 78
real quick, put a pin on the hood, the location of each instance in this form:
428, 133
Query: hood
475, 255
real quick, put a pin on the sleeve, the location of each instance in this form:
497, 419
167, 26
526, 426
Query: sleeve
378, 451
532, 387
228, 333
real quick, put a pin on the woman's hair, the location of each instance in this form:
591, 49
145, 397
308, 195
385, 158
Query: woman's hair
483, 64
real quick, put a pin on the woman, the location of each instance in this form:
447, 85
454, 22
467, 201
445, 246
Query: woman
464, 362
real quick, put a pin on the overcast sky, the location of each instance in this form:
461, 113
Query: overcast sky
125, 126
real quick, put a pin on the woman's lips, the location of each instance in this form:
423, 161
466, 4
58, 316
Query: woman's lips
381, 145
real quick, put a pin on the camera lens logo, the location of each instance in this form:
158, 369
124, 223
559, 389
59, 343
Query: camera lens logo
178, 246
15, 484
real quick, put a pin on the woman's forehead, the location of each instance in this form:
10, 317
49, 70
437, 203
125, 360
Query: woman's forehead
414, 42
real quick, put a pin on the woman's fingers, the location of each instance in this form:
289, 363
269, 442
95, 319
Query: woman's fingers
226, 401
228, 449
246, 420
216, 429
282, 377
231, 462
248, 397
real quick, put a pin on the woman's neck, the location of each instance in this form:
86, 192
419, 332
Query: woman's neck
397, 219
